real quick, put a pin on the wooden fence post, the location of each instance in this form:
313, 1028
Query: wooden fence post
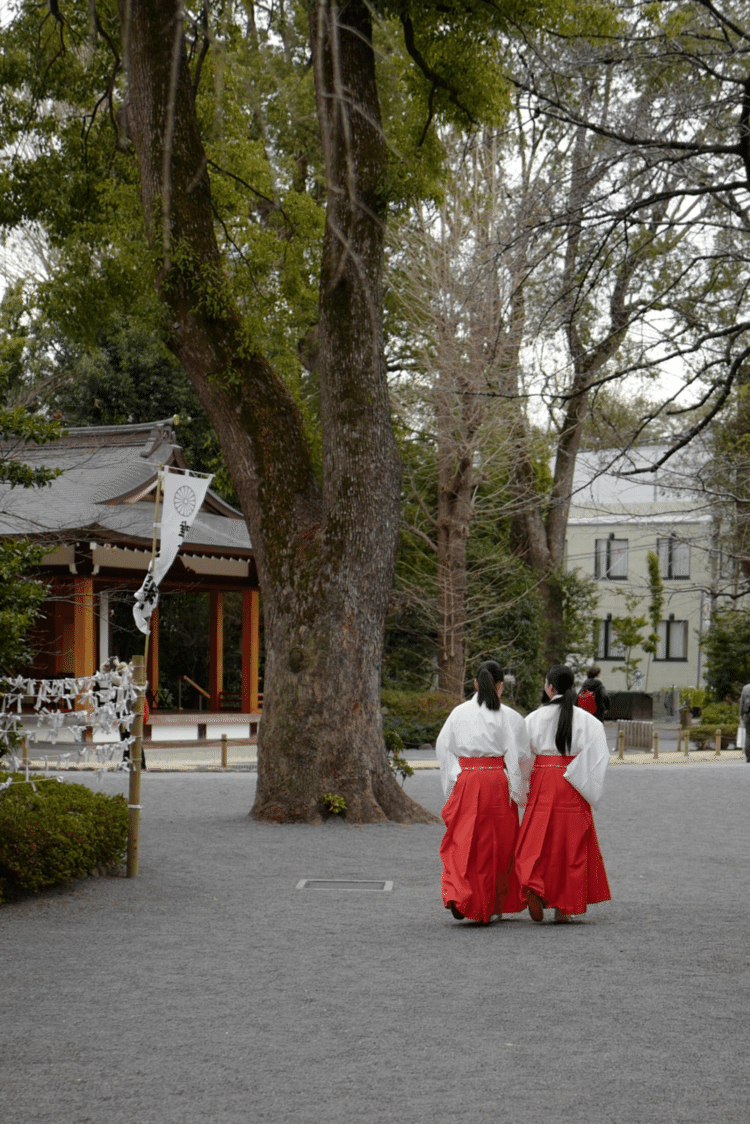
656, 744
134, 789
620, 744
717, 742
223, 751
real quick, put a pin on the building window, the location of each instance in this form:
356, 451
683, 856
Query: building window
609, 648
674, 557
611, 559
673, 640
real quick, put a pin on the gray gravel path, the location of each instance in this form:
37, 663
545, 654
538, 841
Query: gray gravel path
210, 989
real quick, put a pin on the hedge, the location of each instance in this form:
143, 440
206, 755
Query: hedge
418, 716
52, 832
415, 716
720, 714
704, 736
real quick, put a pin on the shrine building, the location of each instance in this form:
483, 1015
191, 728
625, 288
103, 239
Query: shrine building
96, 521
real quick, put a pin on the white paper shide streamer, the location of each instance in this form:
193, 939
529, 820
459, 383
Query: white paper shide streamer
183, 495
49, 712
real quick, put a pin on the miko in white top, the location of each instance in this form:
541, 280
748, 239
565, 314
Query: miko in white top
473, 730
588, 746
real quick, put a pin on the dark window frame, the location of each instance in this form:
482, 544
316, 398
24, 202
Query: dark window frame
668, 565
607, 641
669, 642
606, 547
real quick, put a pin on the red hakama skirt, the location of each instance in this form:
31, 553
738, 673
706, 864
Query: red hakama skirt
478, 845
557, 855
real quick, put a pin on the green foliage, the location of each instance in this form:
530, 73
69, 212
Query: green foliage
655, 604
52, 832
398, 764
694, 697
506, 615
20, 599
96, 311
726, 646
578, 595
333, 804
415, 717
18, 427
616, 420
704, 735
20, 596
128, 376
628, 630
720, 714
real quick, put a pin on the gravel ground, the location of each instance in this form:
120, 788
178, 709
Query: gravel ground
210, 989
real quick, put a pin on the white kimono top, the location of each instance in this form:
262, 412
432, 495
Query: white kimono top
588, 748
472, 730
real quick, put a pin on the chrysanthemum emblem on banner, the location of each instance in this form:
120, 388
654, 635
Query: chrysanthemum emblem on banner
183, 496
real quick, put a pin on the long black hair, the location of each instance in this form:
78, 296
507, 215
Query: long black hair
562, 679
489, 675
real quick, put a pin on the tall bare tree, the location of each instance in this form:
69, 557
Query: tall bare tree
653, 267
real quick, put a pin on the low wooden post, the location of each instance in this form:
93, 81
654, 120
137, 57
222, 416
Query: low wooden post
687, 742
656, 744
717, 742
223, 751
620, 744
134, 789
25, 757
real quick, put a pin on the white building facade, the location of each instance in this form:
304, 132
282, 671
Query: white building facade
616, 519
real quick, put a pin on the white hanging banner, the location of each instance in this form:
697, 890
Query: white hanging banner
182, 498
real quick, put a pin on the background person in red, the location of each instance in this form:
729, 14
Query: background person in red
594, 685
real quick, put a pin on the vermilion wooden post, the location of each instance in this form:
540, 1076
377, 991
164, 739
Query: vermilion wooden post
216, 674
84, 627
250, 641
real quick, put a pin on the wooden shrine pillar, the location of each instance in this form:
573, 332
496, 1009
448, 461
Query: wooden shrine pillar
103, 626
250, 640
84, 627
216, 671
152, 665
64, 621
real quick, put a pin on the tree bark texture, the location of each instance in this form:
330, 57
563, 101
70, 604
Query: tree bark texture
325, 555
458, 419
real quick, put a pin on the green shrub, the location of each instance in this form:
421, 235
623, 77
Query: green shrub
52, 832
694, 697
720, 714
704, 736
394, 747
416, 717
333, 804
427, 706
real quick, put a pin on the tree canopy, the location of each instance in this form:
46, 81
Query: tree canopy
207, 195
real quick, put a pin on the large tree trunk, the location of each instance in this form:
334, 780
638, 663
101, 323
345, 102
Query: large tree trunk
325, 557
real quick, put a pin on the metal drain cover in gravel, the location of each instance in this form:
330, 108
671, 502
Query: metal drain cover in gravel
343, 884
